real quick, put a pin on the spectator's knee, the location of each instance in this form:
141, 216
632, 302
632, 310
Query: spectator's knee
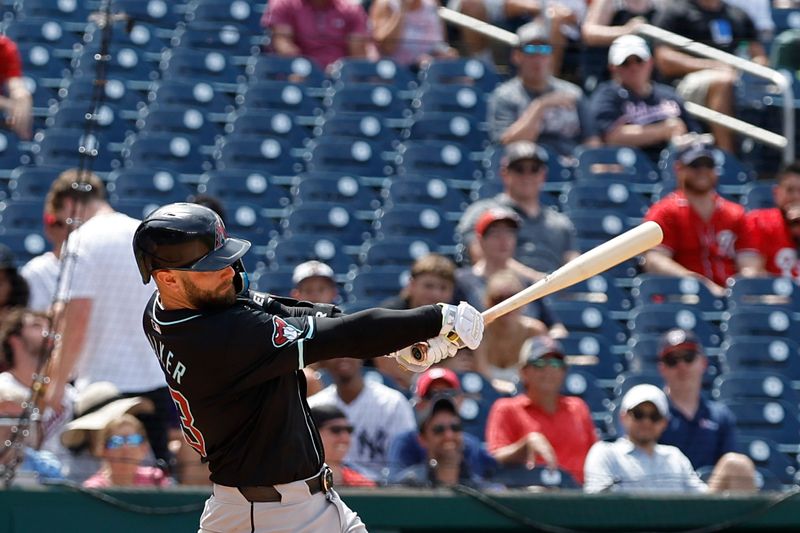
738, 471
474, 8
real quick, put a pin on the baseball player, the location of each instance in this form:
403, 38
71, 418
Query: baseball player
233, 359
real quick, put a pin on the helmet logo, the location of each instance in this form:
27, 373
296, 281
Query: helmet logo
284, 332
219, 236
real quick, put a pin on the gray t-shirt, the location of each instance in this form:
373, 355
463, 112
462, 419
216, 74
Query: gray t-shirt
621, 466
562, 128
542, 240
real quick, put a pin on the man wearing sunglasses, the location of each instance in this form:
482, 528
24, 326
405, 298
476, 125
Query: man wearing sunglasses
702, 231
704, 430
637, 462
631, 109
535, 105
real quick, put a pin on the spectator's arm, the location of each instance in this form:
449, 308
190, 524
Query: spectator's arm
357, 45
18, 107
596, 29
660, 261
76, 315
283, 41
569, 255
526, 450
674, 64
647, 135
750, 264
387, 25
757, 53
358, 40
527, 127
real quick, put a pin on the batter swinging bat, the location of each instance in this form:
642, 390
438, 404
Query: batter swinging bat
611, 253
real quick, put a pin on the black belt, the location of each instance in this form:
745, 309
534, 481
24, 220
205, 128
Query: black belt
260, 494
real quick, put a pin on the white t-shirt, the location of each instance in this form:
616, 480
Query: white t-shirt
41, 273
377, 415
105, 272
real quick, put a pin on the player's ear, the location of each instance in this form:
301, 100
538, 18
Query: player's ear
165, 278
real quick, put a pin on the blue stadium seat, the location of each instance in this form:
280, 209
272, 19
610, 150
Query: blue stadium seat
460, 71
270, 154
656, 289
347, 71
656, 319
588, 346
765, 454
221, 12
25, 244
433, 192
599, 225
177, 153
451, 99
146, 184
376, 284
776, 420
326, 219
733, 174
785, 18
380, 100
270, 123
191, 94
280, 96
478, 397
368, 126
48, 31
336, 188
192, 122
625, 164
758, 195
438, 158
767, 290
127, 63
160, 13
288, 252
517, 477
598, 289
250, 222
142, 36
41, 62
281, 68
580, 317
10, 155
459, 128
32, 182
106, 123
761, 321
42, 96
74, 12
212, 67
415, 221
114, 92
582, 384
135, 208
773, 354
753, 384
608, 196
230, 38
628, 380
359, 157
395, 251
252, 186
63, 147
273, 282
559, 169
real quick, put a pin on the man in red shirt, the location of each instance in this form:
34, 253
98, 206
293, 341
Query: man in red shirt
774, 234
541, 425
702, 230
15, 100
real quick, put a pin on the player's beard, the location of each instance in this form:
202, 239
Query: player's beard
223, 296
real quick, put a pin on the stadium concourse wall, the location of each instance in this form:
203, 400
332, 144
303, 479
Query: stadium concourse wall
68, 510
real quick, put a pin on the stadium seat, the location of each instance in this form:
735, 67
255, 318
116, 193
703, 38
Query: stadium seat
593, 354
559, 169
127, 63
460, 71
580, 317
758, 195
24, 244
200, 65
607, 195
348, 71
192, 122
582, 384
155, 185
23, 215
776, 420
106, 123
380, 100
252, 186
272, 282
433, 192
599, 225
326, 219
191, 94
114, 92
177, 153
367, 126
160, 13
221, 12
458, 128
656, 319
773, 354
395, 251
359, 157
517, 477
753, 384
141, 35
10, 155
478, 397
623, 164
279, 96
335, 188
489, 188
733, 174
599, 289
137, 208
270, 154
48, 31
628, 380
415, 221
32, 182
229, 38
771, 290
656, 289
451, 99
761, 321
74, 13
786, 18
765, 454
376, 284
273, 67
289, 252
43, 97
42, 63
63, 147
437, 158
278, 124
249, 221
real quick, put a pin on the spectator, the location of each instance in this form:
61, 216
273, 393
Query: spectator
541, 425
636, 462
377, 413
13, 287
760, 12
41, 272
407, 449
101, 328
632, 110
702, 230
409, 31
535, 105
706, 81
322, 30
773, 234
432, 281
608, 20
496, 234
188, 467
546, 238
122, 446
15, 101
335, 431
442, 435
704, 430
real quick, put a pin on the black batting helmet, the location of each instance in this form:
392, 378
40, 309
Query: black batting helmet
186, 236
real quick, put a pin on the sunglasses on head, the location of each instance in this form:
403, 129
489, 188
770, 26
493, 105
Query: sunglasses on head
554, 362
673, 358
641, 414
521, 168
338, 430
536, 49
118, 441
633, 60
438, 429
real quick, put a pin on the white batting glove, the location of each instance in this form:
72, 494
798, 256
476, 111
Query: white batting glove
429, 352
462, 325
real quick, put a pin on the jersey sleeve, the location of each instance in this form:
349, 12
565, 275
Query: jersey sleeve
749, 240
660, 212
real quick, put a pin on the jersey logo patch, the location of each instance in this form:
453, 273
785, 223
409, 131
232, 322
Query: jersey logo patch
284, 332
155, 326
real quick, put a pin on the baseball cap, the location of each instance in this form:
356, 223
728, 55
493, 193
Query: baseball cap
541, 346
678, 338
324, 413
310, 269
626, 46
440, 402
533, 31
640, 394
427, 378
521, 150
496, 214
691, 147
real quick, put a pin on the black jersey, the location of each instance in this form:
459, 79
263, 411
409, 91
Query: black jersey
235, 376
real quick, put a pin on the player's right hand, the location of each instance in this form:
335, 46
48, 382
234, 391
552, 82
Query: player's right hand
430, 352
465, 322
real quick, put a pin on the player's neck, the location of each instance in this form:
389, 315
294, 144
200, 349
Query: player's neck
686, 401
702, 202
349, 391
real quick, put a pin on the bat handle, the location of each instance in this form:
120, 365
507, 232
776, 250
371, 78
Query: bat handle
419, 351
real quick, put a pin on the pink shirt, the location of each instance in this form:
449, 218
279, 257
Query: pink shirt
146, 476
422, 32
322, 34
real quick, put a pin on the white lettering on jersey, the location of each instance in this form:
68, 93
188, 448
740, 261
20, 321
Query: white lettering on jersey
165, 358
725, 240
786, 260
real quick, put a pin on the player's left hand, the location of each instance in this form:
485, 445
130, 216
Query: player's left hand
465, 322
432, 351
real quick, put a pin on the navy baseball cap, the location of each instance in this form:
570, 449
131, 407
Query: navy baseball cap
440, 402
542, 346
677, 339
695, 147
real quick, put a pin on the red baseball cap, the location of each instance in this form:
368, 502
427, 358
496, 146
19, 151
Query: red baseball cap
427, 378
496, 214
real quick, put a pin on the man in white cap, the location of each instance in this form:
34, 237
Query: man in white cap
314, 281
636, 462
632, 110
